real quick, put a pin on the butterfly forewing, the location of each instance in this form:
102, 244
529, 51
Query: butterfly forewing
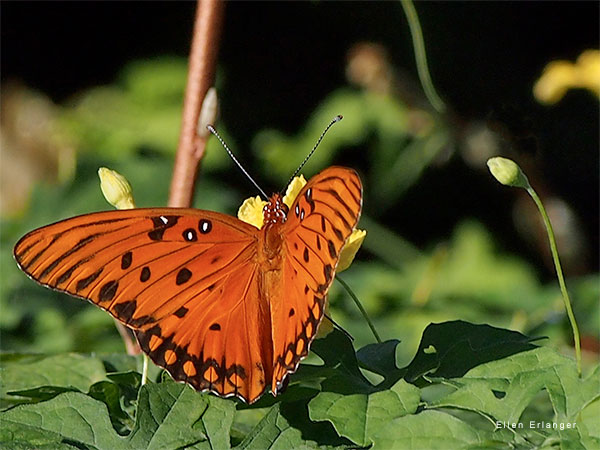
184, 279
319, 222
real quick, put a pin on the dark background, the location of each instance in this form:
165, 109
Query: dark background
279, 60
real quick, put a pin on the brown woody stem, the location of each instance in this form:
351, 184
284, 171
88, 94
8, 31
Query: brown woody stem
201, 72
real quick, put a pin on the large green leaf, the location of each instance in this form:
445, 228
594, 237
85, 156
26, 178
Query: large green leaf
169, 415
359, 416
450, 349
428, 430
70, 371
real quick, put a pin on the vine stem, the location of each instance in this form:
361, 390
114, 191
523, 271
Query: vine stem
559, 274
421, 56
363, 311
201, 73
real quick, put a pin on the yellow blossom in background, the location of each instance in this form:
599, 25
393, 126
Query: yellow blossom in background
560, 76
251, 211
115, 188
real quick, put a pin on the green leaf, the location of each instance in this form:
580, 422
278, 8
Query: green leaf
337, 353
503, 389
23, 372
428, 430
287, 426
169, 415
381, 359
359, 416
450, 349
69, 417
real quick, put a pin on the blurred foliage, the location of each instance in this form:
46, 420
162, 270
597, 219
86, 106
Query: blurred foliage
132, 126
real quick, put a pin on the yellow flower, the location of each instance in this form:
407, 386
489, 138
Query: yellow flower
251, 212
349, 251
293, 189
560, 76
115, 188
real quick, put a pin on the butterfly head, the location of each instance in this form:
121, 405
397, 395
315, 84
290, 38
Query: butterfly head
275, 211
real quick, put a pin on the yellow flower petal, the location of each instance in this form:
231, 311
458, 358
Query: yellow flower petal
115, 188
251, 211
349, 250
560, 76
293, 189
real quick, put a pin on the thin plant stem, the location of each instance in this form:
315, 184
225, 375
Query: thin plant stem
144, 369
201, 73
561, 279
421, 56
361, 308
131, 345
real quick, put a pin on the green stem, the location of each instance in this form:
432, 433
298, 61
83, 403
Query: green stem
144, 368
360, 307
421, 57
561, 279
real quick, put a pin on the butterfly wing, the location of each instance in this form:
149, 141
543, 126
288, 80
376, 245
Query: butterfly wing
319, 222
185, 280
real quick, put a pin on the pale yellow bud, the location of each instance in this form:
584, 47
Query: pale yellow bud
507, 172
115, 188
208, 112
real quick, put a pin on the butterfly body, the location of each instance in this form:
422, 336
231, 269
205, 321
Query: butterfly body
218, 303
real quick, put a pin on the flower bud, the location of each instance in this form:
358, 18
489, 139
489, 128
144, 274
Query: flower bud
115, 188
507, 172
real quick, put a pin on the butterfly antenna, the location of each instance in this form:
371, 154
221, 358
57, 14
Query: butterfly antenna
335, 120
213, 131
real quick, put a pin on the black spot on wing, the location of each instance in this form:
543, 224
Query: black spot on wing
108, 291
145, 275
181, 312
331, 247
85, 282
126, 260
205, 226
183, 276
161, 224
328, 272
189, 235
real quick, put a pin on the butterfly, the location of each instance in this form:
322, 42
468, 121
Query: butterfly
220, 304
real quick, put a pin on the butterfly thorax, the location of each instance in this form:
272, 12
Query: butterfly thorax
274, 216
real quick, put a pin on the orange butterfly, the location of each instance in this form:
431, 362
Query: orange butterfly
220, 304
